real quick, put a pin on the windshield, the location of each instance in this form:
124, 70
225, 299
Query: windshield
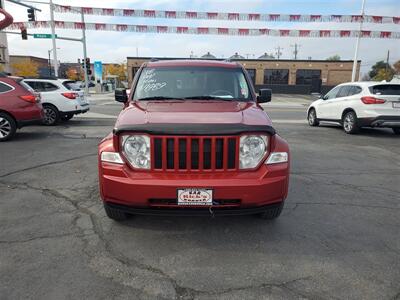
205, 83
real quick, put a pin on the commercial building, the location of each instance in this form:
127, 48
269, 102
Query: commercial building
284, 75
42, 63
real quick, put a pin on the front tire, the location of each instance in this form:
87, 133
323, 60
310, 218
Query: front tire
115, 214
312, 117
273, 212
8, 127
350, 123
396, 130
51, 115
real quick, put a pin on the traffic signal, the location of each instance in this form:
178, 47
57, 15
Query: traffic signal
31, 14
24, 34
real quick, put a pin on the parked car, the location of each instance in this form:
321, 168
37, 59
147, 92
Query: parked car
19, 107
60, 101
359, 104
192, 139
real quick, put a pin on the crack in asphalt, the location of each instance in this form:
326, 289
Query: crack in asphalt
47, 164
180, 291
41, 238
344, 204
359, 188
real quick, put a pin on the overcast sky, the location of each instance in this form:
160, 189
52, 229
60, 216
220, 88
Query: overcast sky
115, 46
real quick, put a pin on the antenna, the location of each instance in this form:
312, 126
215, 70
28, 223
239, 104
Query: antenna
278, 52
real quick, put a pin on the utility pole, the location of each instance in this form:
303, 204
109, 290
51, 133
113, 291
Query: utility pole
53, 39
355, 60
278, 52
296, 50
387, 63
85, 67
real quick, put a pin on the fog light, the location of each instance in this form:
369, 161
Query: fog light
111, 157
277, 158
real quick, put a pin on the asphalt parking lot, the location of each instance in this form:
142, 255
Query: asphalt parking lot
338, 236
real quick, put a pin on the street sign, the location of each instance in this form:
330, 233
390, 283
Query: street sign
43, 36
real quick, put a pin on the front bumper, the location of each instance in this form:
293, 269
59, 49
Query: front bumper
192, 212
120, 185
380, 121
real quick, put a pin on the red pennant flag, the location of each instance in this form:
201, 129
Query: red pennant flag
377, 19
345, 33
223, 31
191, 14
87, 10
182, 29
254, 17
212, 15
304, 33
150, 13
386, 34
294, 17
274, 17
233, 16
284, 32
202, 30
128, 12
108, 11
170, 14
100, 26
162, 29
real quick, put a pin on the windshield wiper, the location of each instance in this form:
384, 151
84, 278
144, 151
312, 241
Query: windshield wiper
209, 98
159, 98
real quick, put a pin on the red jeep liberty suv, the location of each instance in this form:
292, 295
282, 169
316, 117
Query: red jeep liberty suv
192, 139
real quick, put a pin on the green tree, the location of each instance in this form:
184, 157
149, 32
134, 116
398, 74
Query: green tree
384, 74
396, 67
376, 67
334, 57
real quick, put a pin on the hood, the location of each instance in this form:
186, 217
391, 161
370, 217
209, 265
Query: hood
193, 112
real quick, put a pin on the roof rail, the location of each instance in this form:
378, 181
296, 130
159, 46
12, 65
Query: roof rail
41, 77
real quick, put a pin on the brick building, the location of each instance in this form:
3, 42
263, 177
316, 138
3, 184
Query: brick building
283, 76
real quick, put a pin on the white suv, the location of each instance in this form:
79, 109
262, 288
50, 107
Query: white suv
359, 104
60, 98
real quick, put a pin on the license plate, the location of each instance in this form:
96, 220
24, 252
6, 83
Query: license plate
195, 196
396, 104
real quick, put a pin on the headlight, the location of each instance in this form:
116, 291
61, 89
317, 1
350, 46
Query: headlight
252, 150
136, 148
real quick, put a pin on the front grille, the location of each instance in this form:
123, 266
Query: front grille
194, 153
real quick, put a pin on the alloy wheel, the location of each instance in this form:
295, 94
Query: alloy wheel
50, 116
348, 123
311, 117
5, 128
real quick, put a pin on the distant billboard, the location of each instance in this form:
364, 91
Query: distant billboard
98, 71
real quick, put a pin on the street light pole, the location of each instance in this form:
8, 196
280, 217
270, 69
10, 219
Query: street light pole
85, 67
355, 60
53, 39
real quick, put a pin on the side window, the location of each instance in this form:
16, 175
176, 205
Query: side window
49, 87
355, 90
37, 86
4, 88
344, 91
332, 93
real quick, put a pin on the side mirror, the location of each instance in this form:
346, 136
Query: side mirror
121, 95
265, 95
